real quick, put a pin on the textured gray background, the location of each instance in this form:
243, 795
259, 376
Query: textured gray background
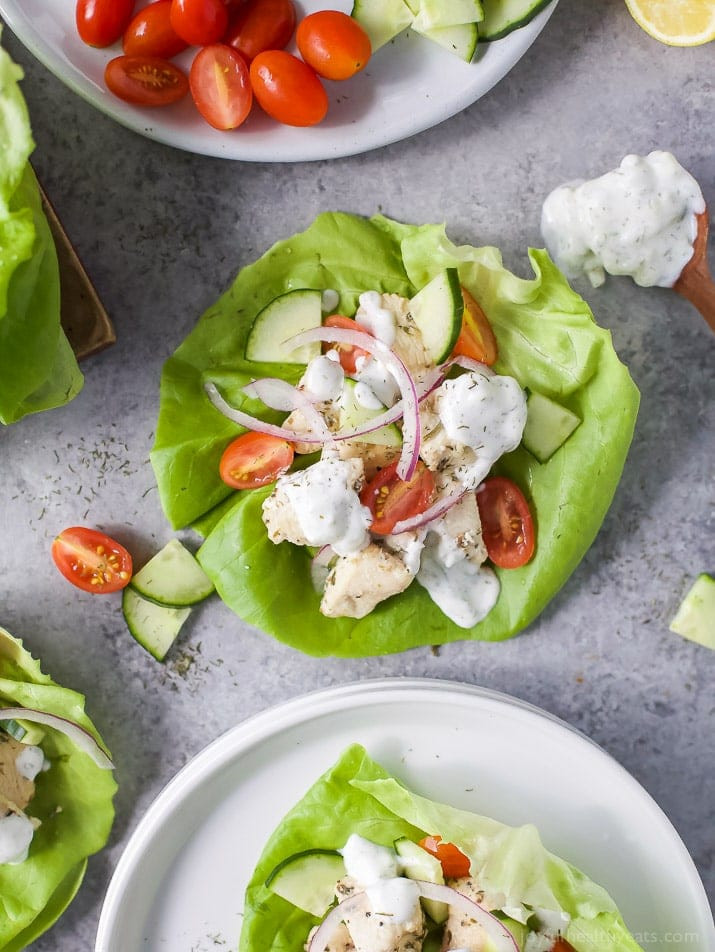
162, 233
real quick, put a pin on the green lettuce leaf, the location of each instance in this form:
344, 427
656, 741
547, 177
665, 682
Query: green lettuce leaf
38, 370
73, 801
547, 339
358, 796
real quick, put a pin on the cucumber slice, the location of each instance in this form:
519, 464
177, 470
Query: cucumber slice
548, 426
382, 20
284, 316
34, 733
501, 17
461, 39
15, 730
695, 619
437, 311
308, 879
173, 578
154, 626
419, 864
432, 14
353, 414
517, 929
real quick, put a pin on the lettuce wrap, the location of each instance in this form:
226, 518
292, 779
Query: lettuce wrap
38, 370
358, 796
547, 340
73, 801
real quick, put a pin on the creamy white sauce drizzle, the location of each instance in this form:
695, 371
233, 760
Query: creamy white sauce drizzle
637, 220
374, 375
16, 834
375, 318
395, 898
324, 378
465, 592
29, 762
329, 300
365, 397
369, 862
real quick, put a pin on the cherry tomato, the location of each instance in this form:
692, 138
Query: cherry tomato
220, 86
476, 338
561, 945
102, 22
261, 25
255, 459
454, 863
199, 22
334, 44
150, 33
287, 89
348, 355
145, 80
92, 560
507, 526
391, 499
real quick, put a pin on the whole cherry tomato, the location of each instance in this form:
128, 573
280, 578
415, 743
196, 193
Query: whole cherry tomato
287, 89
220, 86
150, 33
334, 44
261, 25
199, 22
102, 22
145, 80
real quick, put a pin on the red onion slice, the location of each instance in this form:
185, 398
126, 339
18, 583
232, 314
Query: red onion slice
437, 509
320, 567
410, 402
468, 363
280, 395
253, 423
81, 737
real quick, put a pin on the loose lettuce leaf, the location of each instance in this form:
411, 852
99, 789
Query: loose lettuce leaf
548, 341
358, 796
73, 801
37, 367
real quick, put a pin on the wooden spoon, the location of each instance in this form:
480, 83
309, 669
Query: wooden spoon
695, 282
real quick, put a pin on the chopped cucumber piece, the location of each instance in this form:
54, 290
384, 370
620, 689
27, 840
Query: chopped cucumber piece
437, 311
382, 20
460, 39
431, 14
695, 619
173, 578
353, 414
15, 730
517, 929
419, 864
501, 17
308, 879
548, 426
285, 316
154, 626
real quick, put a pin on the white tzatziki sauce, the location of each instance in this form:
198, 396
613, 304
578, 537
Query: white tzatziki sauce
365, 396
638, 220
29, 762
374, 375
375, 318
369, 862
396, 898
465, 592
16, 834
324, 378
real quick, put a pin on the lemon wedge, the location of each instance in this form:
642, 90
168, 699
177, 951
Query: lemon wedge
676, 22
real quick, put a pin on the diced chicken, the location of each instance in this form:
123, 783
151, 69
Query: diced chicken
15, 789
358, 582
460, 532
296, 421
460, 930
408, 546
372, 930
374, 456
408, 339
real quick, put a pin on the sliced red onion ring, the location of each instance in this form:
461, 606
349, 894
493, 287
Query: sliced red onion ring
437, 509
320, 567
81, 737
468, 363
321, 938
410, 402
280, 395
253, 423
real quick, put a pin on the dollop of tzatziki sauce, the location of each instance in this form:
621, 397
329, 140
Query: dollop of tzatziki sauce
16, 832
638, 220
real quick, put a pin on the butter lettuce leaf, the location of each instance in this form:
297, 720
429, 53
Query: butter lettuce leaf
547, 339
73, 801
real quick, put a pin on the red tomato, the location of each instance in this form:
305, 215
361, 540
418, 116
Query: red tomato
221, 86
145, 80
150, 33
391, 499
199, 22
454, 863
102, 22
287, 89
476, 338
334, 44
92, 560
561, 945
507, 525
348, 355
254, 459
261, 25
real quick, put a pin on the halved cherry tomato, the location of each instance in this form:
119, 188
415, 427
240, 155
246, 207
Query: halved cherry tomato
561, 945
507, 526
287, 89
102, 22
348, 355
261, 25
220, 86
150, 33
255, 459
391, 499
145, 80
454, 863
476, 338
334, 44
199, 22
92, 560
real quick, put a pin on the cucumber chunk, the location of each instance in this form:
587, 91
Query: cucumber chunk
695, 619
15, 730
501, 17
517, 929
548, 426
154, 626
437, 311
308, 879
382, 20
353, 414
173, 578
430, 14
282, 318
419, 864
460, 39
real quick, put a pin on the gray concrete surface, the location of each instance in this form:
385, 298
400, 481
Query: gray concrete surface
162, 233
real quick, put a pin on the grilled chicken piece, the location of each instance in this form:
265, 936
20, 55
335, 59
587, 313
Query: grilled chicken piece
358, 582
373, 455
14, 788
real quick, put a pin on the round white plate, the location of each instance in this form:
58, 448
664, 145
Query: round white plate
180, 882
408, 86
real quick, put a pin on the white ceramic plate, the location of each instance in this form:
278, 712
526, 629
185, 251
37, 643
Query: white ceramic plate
409, 86
180, 881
